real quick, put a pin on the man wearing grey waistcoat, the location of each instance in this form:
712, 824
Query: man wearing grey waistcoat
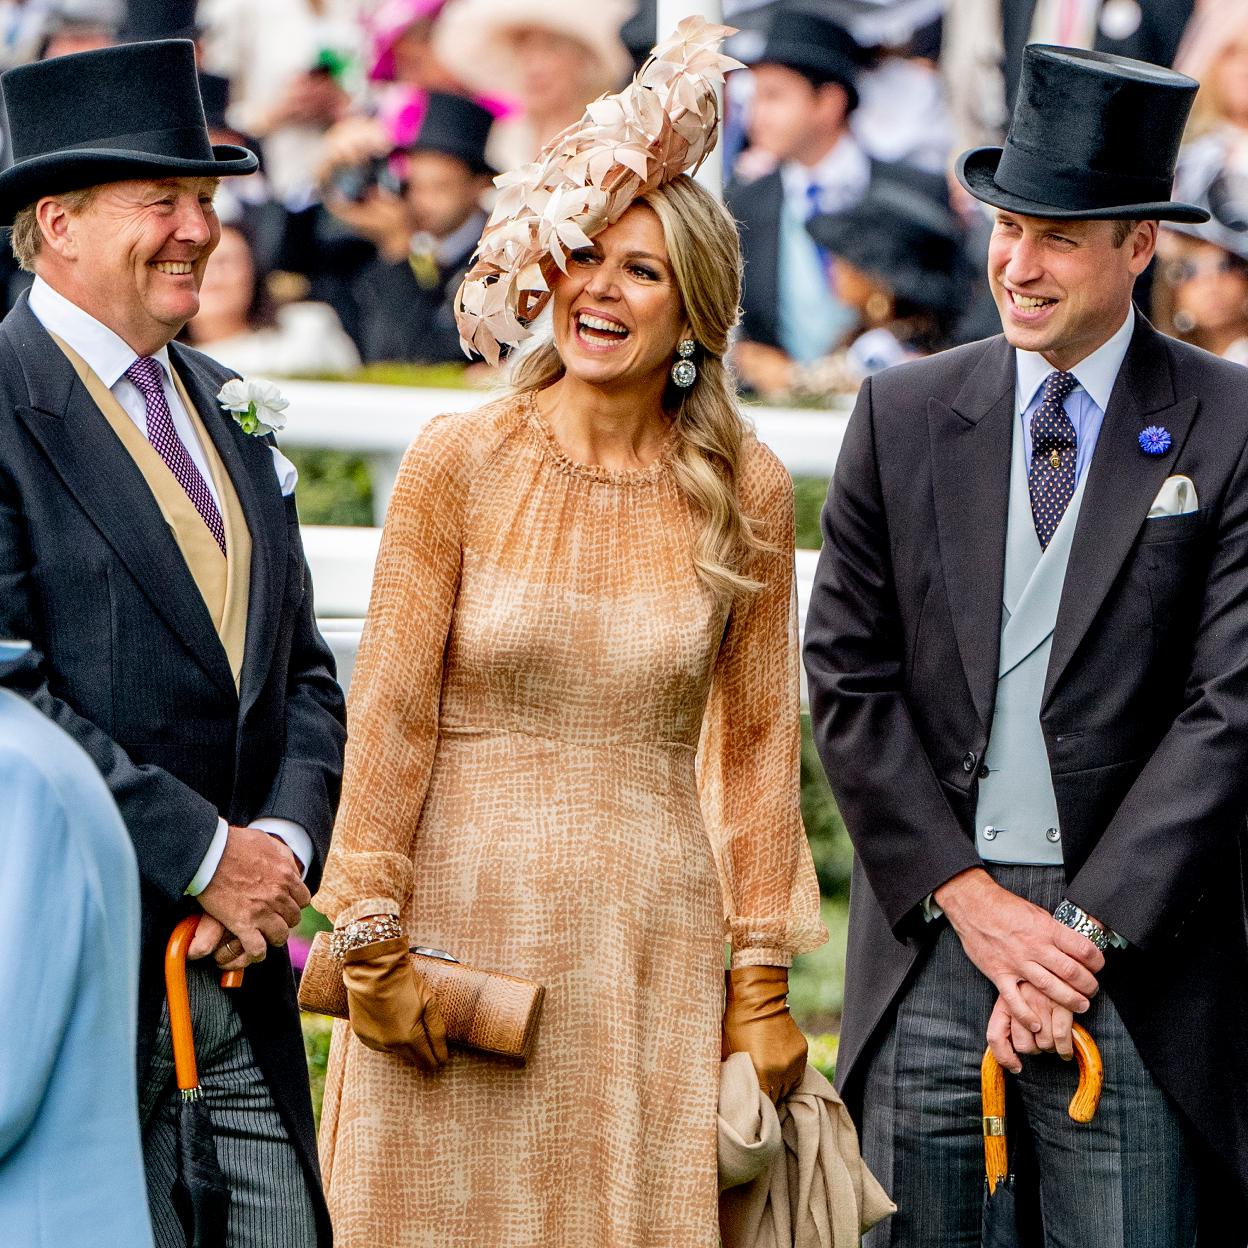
1027, 651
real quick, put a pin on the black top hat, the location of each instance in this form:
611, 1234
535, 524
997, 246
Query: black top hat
813, 44
214, 94
130, 111
1093, 135
159, 19
904, 232
455, 126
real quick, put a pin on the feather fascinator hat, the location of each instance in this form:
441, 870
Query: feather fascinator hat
661, 125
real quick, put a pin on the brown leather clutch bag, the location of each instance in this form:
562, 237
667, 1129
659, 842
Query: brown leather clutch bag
483, 1010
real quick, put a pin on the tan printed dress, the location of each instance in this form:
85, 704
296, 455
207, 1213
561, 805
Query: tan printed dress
523, 779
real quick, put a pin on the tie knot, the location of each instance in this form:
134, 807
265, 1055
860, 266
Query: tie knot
145, 374
1057, 386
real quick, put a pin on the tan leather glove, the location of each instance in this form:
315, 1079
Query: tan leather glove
757, 1021
392, 1009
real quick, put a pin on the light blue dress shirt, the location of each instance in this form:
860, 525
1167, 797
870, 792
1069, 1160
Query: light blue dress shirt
71, 1163
1086, 403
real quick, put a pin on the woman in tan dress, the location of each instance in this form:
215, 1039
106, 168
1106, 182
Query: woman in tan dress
574, 758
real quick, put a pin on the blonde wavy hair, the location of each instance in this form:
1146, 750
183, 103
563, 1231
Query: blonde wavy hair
705, 255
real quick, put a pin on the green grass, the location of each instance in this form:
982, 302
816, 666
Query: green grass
817, 980
809, 494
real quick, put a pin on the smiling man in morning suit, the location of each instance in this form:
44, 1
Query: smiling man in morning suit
150, 552
1027, 650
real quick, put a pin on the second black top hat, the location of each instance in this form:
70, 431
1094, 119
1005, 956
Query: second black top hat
813, 44
455, 126
1093, 135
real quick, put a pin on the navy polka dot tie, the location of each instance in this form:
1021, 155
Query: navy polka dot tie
1051, 476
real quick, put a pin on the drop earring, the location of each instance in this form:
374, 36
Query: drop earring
684, 371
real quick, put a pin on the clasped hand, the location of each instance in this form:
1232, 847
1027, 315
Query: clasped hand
253, 900
1044, 971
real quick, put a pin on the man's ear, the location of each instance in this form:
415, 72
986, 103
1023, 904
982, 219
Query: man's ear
57, 225
1143, 244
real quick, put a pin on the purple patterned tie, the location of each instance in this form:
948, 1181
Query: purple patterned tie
145, 372
1053, 447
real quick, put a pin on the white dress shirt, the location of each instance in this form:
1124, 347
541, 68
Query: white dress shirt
841, 177
108, 356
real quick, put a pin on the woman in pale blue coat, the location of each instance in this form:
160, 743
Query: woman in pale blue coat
71, 1168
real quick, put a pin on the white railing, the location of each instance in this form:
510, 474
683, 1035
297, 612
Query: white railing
379, 422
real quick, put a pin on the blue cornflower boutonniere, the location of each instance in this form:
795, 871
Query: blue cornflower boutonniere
258, 406
1155, 440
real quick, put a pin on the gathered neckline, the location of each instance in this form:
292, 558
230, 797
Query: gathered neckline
596, 472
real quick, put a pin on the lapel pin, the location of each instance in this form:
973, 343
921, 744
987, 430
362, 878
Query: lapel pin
1155, 440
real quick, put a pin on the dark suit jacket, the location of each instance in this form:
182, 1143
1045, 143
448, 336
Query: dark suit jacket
402, 320
757, 206
1145, 713
1155, 39
125, 658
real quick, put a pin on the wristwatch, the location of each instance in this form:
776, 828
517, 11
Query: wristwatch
1071, 916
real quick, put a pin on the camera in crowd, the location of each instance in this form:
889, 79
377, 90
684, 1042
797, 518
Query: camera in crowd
357, 182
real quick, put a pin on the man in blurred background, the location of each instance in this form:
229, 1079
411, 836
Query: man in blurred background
804, 92
425, 228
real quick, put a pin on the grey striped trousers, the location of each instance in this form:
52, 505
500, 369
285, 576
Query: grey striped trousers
1126, 1180
269, 1203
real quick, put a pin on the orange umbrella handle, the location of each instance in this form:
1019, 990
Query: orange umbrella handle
992, 1088
1091, 1077
179, 1001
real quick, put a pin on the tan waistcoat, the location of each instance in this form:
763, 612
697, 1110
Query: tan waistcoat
223, 582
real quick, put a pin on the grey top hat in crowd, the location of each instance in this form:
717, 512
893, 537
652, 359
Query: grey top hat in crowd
1092, 136
129, 111
1226, 199
813, 44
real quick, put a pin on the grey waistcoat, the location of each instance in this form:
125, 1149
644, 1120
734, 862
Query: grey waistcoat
1016, 815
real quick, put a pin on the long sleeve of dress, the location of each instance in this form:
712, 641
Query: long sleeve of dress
750, 767
392, 710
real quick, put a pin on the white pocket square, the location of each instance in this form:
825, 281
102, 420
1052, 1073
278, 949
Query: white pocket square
288, 474
1177, 497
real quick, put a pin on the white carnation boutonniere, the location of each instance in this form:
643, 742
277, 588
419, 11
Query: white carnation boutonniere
259, 407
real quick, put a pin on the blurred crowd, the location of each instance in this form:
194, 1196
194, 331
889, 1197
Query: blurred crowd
381, 124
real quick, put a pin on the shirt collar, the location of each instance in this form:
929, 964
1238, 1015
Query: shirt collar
843, 173
453, 246
1096, 373
105, 353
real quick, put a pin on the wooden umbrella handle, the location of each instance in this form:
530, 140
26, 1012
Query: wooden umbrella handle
992, 1089
1091, 1076
180, 1003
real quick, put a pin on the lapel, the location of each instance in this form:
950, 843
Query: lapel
970, 447
107, 484
249, 462
1122, 482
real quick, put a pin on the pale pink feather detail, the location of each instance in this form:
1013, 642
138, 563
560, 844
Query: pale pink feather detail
661, 125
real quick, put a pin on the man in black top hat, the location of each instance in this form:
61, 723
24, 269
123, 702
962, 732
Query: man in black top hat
804, 92
1027, 651
150, 551
425, 232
